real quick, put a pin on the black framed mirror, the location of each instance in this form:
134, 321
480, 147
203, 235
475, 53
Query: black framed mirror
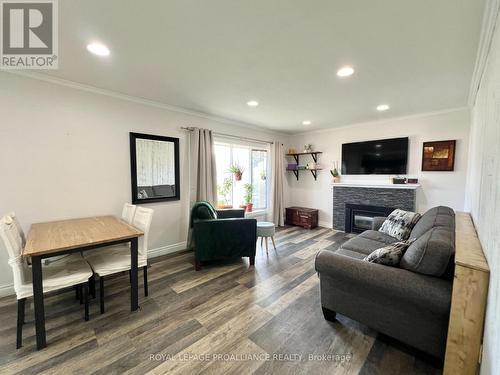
154, 162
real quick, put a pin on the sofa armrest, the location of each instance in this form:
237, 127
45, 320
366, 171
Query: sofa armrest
377, 222
384, 281
229, 213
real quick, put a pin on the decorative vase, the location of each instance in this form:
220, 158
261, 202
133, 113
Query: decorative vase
336, 179
249, 207
237, 176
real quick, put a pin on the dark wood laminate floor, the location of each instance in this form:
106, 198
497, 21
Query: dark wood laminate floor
227, 318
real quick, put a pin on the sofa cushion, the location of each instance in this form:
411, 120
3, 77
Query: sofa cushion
375, 235
350, 253
364, 244
389, 255
399, 224
440, 216
164, 190
144, 192
431, 253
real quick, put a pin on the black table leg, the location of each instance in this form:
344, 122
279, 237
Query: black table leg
36, 269
134, 295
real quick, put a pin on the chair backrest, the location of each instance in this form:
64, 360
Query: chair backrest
20, 231
128, 212
202, 211
142, 220
10, 239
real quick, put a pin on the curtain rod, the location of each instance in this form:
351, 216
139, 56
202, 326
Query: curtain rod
231, 136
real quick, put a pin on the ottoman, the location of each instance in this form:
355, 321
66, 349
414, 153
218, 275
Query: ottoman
265, 229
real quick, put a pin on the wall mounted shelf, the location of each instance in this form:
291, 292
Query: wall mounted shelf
296, 156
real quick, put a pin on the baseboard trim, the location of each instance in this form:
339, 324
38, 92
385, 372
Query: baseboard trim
325, 224
169, 249
8, 289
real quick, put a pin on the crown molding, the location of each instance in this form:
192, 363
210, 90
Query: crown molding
385, 120
139, 100
490, 17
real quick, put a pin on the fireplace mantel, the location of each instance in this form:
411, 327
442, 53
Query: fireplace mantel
377, 186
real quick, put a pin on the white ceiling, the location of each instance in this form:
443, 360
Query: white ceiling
213, 56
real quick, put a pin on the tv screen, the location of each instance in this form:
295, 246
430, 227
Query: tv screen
386, 156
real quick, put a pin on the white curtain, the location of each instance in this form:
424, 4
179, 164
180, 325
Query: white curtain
277, 175
204, 171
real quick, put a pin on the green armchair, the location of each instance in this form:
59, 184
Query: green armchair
221, 234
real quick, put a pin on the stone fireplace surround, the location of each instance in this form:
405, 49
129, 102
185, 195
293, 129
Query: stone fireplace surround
389, 195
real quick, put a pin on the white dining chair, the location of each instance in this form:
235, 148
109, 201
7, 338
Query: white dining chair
117, 259
22, 238
128, 212
55, 277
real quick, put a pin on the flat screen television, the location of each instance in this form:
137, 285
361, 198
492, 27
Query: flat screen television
385, 156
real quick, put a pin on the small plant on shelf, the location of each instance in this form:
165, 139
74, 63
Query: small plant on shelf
248, 196
224, 190
237, 171
335, 173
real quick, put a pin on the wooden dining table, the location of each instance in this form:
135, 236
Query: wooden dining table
69, 236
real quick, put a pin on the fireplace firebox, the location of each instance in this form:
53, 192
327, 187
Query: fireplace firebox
359, 218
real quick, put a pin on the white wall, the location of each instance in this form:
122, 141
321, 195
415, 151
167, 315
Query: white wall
483, 194
438, 188
64, 153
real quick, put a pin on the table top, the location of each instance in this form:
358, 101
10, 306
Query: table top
56, 236
468, 252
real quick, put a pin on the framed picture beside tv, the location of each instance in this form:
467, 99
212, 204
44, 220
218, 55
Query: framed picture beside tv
438, 156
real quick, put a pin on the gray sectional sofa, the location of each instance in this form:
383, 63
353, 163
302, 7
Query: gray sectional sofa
411, 302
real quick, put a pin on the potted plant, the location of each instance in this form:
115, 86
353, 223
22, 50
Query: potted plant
248, 196
263, 176
335, 173
224, 189
237, 171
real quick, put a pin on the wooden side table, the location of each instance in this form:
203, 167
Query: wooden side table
302, 216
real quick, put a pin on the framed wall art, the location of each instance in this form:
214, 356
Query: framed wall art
438, 156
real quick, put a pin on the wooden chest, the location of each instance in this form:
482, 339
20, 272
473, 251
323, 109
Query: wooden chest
301, 216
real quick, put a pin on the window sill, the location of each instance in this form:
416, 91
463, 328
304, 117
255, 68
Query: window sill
256, 213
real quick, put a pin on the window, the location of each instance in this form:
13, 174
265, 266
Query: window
251, 160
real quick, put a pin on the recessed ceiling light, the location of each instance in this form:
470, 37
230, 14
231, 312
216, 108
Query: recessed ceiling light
382, 107
345, 71
306, 122
253, 103
98, 49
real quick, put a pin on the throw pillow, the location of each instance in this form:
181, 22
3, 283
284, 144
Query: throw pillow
399, 224
389, 255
